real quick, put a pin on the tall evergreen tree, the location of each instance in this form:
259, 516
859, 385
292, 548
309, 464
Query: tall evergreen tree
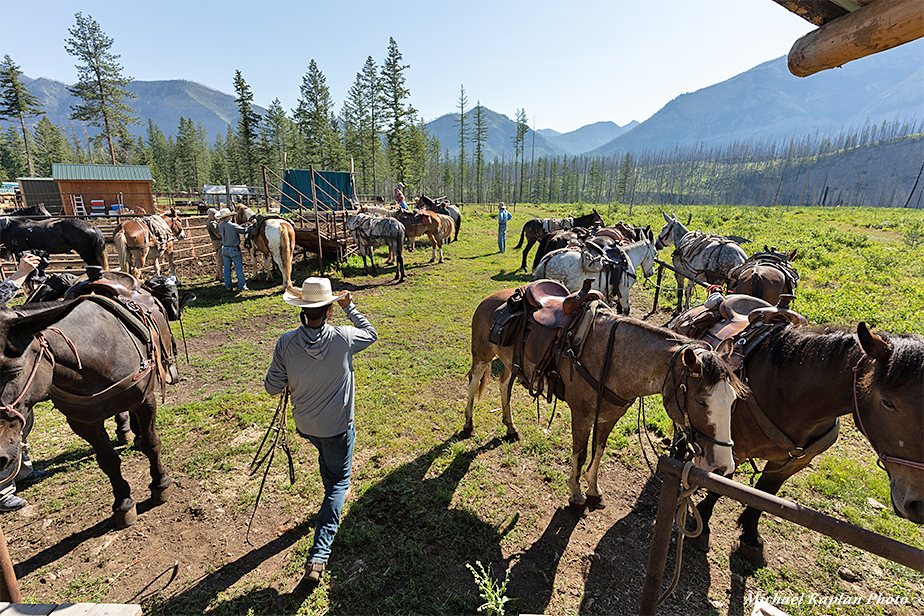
218, 169
12, 155
16, 102
51, 146
312, 116
622, 180
276, 130
397, 114
519, 142
362, 124
480, 138
464, 137
248, 128
100, 84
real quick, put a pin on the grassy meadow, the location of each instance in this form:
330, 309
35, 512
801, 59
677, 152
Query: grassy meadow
428, 503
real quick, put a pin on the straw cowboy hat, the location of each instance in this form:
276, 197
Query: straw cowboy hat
223, 213
315, 293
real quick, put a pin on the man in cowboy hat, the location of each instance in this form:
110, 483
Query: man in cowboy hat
211, 225
230, 234
315, 361
503, 216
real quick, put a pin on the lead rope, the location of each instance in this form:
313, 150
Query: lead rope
685, 504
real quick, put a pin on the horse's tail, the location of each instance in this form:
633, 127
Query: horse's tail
522, 237
118, 238
286, 250
458, 226
101, 255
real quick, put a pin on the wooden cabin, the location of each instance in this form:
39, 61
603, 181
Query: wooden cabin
104, 189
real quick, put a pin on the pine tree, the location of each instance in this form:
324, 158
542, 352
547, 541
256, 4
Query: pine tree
51, 146
464, 137
16, 102
100, 83
312, 116
248, 127
275, 136
519, 142
160, 157
397, 116
12, 155
622, 181
480, 138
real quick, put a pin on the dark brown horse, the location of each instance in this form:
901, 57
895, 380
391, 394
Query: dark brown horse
23, 231
91, 365
827, 374
766, 275
135, 238
535, 229
645, 360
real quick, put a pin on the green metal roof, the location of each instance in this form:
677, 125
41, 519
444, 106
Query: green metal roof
66, 171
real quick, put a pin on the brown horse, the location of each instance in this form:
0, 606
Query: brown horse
766, 275
437, 227
829, 373
136, 237
646, 360
274, 239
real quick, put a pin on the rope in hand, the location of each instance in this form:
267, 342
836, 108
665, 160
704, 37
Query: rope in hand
684, 505
279, 428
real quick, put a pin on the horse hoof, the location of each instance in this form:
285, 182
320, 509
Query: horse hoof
595, 502
468, 431
159, 496
512, 437
754, 554
122, 438
700, 542
577, 508
124, 519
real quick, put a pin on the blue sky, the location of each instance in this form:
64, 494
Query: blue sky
568, 63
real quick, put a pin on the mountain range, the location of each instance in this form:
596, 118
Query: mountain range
763, 103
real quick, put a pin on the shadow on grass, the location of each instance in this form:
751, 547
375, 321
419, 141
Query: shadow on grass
401, 548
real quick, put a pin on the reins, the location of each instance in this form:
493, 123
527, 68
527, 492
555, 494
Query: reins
881, 458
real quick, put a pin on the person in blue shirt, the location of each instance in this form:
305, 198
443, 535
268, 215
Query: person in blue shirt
399, 197
502, 217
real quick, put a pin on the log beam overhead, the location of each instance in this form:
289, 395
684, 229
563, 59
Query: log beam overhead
876, 27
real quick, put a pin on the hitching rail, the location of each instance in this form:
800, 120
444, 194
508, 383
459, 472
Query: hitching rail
803, 516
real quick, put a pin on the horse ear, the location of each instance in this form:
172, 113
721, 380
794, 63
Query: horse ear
666, 219
689, 219
690, 360
725, 349
792, 255
873, 345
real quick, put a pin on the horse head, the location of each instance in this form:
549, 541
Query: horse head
699, 392
651, 253
23, 381
890, 413
172, 218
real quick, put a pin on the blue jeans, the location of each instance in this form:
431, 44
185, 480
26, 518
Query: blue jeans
502, 238
232, 254
335, 459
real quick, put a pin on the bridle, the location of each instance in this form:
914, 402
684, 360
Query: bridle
881, 458
678, 391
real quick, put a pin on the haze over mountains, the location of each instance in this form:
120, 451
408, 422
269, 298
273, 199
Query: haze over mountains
765, 102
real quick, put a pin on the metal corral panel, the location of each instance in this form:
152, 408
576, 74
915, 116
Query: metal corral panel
41, 190
67, 171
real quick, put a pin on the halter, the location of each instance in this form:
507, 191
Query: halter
681, 384
881, 458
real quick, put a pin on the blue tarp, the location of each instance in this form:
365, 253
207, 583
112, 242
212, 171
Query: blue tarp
330, 186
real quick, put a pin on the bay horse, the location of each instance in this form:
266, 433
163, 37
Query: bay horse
437, 227
766, 275
20, 232
618, 269
274, 239
455, 213
92, 366
373, 231
535, 229
135, 238
828, 373
646, 360
705, 257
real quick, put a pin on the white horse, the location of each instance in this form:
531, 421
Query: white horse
708, 258
372, 231
567, 266
275, 242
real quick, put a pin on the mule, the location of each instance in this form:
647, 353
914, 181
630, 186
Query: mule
53, 235
535, 229
707, 258
646, 360
136, 238
436, 227
274, 238
92, 366
455, 213
373, 231
828, 373
616, 274
766, 275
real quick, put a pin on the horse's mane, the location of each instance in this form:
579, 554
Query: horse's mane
800, 345
907, 362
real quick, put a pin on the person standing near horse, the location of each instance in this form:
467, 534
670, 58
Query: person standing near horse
315, 362
503, 216
211, 225
230, 234
8, 499
399, 197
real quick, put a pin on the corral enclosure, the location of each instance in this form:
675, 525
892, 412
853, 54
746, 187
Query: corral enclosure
428, 502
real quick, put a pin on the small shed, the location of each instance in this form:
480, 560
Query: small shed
101, 188
334, 190
217, 194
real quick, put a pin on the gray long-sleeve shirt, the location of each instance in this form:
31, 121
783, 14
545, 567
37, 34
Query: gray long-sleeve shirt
230, 232
317, 365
